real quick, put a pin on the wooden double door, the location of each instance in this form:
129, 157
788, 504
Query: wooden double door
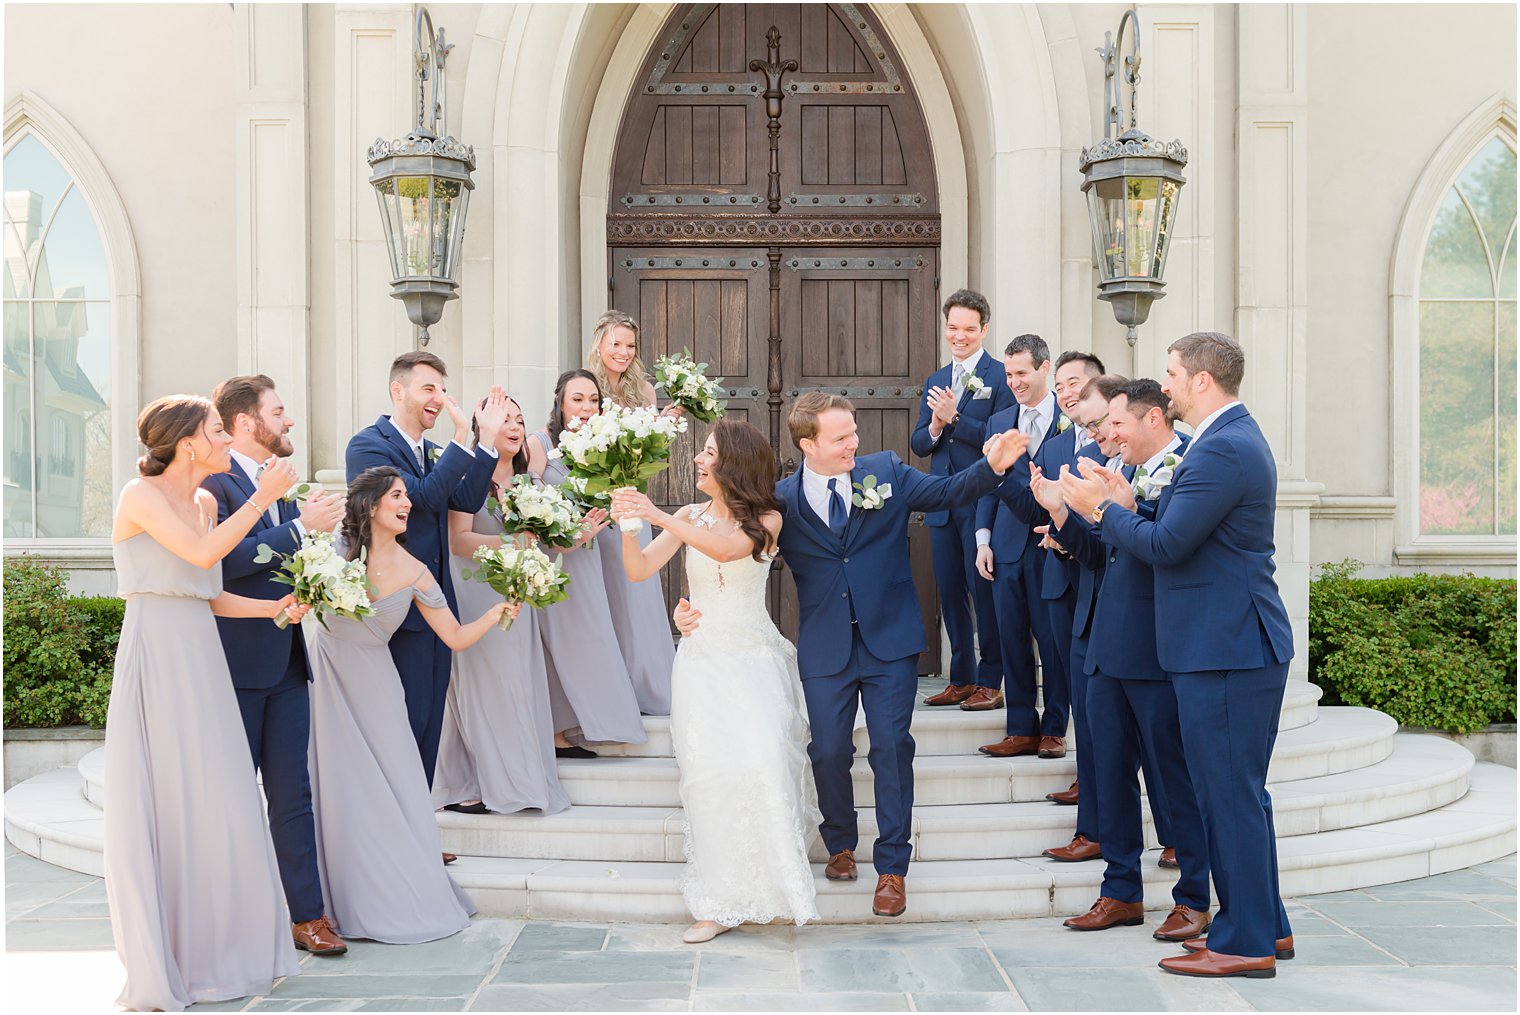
776, 215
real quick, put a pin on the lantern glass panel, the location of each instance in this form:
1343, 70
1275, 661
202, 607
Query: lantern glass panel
1142, 199
410, 236
1169, 192
1105, 203
461, 206
385, 193
447, 207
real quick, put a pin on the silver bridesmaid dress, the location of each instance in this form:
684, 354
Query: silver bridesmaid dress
377, 839
197, 911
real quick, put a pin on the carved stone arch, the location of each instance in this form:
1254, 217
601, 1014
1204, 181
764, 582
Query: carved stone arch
28, 114
1493, 118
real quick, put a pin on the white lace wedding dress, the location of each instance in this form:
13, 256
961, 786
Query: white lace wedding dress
740, 729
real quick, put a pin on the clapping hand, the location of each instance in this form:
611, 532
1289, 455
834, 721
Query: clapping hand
1082, 495
1047, 543
1119, 490
491, 416
942, 402
322, 511
277, 477
1003, 449
1046, 491
460, 420
686, 617
594, 522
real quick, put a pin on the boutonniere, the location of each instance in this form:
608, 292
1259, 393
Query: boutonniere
435, 453
869, 495
1063, 424
974, 383
1150, 484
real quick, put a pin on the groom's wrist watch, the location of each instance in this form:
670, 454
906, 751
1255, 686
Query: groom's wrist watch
1108, 502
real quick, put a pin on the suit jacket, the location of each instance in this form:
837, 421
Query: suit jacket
1122, 643
258, 652
1088, 557
1211, 545
868, 570
1058, 576
1012, 527
457, 481
959, 445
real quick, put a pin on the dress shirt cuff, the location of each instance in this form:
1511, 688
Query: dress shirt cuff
490, 452
300, 528
983, 537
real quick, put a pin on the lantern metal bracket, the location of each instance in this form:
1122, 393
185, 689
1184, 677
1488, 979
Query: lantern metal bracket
1109, 53
429, 61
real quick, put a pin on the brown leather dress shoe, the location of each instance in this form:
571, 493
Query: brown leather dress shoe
1106, 913
1183, 923
449, 858
891, 897
1283, 946
1080, 848
1207, 963
951, 695
1168, 859
1066, 796
318, 937
1052, 747
1011, 747
841, 866
983, 699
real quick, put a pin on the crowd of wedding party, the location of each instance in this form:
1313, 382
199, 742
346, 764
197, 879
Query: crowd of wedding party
1063, 521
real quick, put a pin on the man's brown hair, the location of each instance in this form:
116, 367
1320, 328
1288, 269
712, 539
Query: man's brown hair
1214, 352
802, 421
403, 365
1108, 385
240, 394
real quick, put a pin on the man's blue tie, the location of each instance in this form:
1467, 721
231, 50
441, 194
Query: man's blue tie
836, 509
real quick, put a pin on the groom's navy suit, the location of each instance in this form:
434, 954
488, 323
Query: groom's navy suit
1223, 635
269, 675
952, 534
457, 481
859, 637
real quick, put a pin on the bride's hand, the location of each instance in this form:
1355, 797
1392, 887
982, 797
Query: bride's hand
630, 503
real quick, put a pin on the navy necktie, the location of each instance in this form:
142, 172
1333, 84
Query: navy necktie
836, 509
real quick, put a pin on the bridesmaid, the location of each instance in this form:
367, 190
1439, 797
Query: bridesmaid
589, 684
638, 608
497, 751
196, 906
377, 841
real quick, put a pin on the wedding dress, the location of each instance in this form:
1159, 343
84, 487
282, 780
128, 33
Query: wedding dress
740, 730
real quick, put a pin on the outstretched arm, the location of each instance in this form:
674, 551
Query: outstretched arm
1201, 497
144, 508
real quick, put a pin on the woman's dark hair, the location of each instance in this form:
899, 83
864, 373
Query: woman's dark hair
363, 494
519, 460
746, 473
557, 410
163, 423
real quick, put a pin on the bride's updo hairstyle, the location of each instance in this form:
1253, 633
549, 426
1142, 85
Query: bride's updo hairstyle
363, 494
746, 473
165, 422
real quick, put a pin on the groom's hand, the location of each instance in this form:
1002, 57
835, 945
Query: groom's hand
1003, 449
686, 617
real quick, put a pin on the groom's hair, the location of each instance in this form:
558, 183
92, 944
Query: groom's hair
802, 421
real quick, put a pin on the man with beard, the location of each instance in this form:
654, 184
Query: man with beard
268, 664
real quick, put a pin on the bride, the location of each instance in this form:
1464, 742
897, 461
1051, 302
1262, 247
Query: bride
737, 716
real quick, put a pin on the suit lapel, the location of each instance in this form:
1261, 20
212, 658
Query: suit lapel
389, 431
244, 483
857, 514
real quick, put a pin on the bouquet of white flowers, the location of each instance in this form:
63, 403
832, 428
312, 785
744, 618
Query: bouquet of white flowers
685, 383
520, 575
544, 512
619, 448
319, 577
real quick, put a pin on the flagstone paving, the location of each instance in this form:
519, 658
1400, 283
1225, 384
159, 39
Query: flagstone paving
1440, 943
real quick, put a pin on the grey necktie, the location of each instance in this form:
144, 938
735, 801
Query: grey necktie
417, 453
958, 379
1030, 424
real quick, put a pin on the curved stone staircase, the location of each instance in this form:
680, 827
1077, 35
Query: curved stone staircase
1356, 803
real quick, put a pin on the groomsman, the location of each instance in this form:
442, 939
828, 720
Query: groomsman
1223, 635
437, 481
952, 425
1009, 555
1132, 706
268, 664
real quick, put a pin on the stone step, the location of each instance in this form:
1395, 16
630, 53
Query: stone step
1422, 773
1340, 740
949, 731
1474, 829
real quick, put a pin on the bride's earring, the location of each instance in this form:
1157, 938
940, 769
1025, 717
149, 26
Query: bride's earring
192, 454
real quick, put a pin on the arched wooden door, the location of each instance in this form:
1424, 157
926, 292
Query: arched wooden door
774, 210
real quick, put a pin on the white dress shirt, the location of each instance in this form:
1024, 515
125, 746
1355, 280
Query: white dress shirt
1210, 419
251, 470
969, 365
816, 489
1154, 461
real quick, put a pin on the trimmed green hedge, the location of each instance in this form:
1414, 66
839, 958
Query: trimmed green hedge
59, 649
1430, 649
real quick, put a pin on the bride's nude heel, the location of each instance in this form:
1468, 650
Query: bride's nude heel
703, 931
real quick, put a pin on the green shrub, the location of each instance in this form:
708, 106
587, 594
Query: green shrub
1430, 649
59, 650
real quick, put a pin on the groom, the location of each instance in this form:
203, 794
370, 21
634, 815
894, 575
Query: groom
861, 632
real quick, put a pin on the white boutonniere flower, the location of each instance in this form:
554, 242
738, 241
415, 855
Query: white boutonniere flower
1063, 424
435, 453
869, 495
1148, 485
975, 384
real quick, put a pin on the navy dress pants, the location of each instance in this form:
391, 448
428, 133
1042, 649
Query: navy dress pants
277, 720
963, 594
423, 663
887, 689
1022, 613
